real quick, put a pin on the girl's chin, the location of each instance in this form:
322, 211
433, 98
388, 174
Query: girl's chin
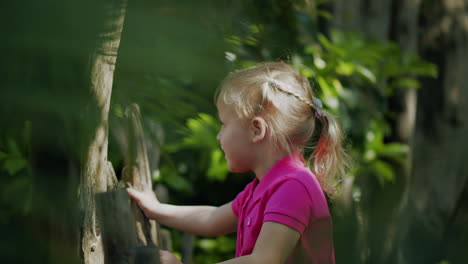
237, 169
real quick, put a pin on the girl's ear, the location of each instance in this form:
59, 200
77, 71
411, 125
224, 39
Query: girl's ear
258, 129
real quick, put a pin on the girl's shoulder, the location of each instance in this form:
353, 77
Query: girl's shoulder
302, 175
303, 180
300, 189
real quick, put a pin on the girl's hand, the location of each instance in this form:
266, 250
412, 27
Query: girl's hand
167, 258
146, 200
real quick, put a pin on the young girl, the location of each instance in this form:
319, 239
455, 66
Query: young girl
268, 114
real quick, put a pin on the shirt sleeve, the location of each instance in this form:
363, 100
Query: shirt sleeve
290, 205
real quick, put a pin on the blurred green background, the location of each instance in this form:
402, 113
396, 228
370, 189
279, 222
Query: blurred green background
392, 71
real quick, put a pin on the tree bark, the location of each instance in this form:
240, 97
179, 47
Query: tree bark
118, 233
377, 212
97, 169
403, 102
137, 173
439, 179
127, 235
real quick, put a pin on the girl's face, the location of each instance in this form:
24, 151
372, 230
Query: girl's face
235, 140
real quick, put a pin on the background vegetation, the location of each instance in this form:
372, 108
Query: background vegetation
391, 70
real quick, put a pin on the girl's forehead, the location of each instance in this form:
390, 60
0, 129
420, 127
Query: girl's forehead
227, 111
222, 107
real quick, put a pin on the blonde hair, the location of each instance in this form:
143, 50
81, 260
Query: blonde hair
278, 93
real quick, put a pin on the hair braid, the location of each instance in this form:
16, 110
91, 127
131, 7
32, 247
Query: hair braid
275, 85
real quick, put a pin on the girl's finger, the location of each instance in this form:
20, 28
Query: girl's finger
133, 193
168, 258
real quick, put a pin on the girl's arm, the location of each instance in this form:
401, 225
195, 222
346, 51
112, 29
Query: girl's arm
274, 245
198, 220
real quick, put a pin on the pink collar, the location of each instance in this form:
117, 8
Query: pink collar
289, 163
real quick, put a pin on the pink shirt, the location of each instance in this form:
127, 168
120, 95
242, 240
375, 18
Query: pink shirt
288, 194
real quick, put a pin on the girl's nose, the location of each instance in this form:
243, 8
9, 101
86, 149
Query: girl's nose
218, 136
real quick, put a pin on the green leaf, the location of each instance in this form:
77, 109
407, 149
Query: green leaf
118, 110
326, 87
13, 147
255, 29
345, 68
251, 41
383, 171
312, 49
395, 151
369, 155
307, 72
208, 244
416, 65
374, 139
174, 180
201, 132
337, 86
324, 41
14, 164
319, 62
406, 82
365, 72
235, 40
218, 168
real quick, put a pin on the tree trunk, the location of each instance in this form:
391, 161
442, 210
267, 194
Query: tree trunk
137, 173
376, 214
438, 187
97, 172
403, 102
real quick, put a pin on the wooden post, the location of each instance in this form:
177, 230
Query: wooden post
116, 221
127, 235
118, 230
137, 173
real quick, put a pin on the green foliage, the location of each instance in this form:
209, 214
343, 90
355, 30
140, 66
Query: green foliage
378, 154
200, 135
172, 177
197, 136
199, 132
15, 178
12, 159
356, 78
214, 250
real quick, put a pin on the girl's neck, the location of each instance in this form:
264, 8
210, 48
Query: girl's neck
266, 160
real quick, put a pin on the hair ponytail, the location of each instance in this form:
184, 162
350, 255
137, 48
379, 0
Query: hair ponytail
329, 159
